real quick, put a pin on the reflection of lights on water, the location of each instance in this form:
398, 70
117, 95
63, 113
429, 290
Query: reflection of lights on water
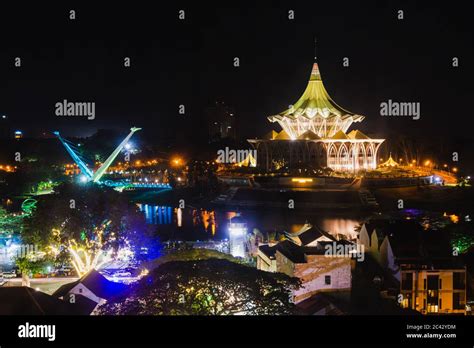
206, 218
157, 215
345, 227
179, 215
301, 180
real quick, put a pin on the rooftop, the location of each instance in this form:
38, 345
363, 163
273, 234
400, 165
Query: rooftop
315, 111
95, 282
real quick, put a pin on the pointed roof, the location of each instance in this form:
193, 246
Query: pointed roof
282, 136
270, 135
22, 300
340, 135
309, 135
315, 101
96, 283
308, 234
357, 134
390, 162
249, 161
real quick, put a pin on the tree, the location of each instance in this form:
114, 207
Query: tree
206, 287
462, 236
10, 223
191, 254
27, 265
87, 224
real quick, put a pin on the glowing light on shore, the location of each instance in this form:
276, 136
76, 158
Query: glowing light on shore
177, 161
302, 180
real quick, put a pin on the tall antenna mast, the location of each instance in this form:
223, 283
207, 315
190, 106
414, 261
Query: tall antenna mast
315, 50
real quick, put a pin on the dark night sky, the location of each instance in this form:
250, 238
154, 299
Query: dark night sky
191, 62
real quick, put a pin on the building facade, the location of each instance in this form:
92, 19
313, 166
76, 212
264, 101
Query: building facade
304, 255
433, 291
431, 280
221, 121
314, 132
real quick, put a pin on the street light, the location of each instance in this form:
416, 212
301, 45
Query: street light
176, 161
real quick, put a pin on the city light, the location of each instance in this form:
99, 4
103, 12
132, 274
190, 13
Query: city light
237, 231
83, 178
106, 220
302, 180
177, 161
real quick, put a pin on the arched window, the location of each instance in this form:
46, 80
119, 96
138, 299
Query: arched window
361, 156
343, 158
332, 156
370, 156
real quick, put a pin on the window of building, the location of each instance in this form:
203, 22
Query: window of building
440, 284
433, 282
424, 284
458, 281
327, 280
407, 281
440, 303
458, 300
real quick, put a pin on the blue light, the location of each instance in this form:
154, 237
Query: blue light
83, 178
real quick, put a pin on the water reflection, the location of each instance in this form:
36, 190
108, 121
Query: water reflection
340, 227
202, 224
157, 214
205, 218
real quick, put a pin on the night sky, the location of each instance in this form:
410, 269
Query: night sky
190, 62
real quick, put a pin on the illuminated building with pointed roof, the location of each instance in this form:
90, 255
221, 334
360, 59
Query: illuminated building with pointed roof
314, 132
